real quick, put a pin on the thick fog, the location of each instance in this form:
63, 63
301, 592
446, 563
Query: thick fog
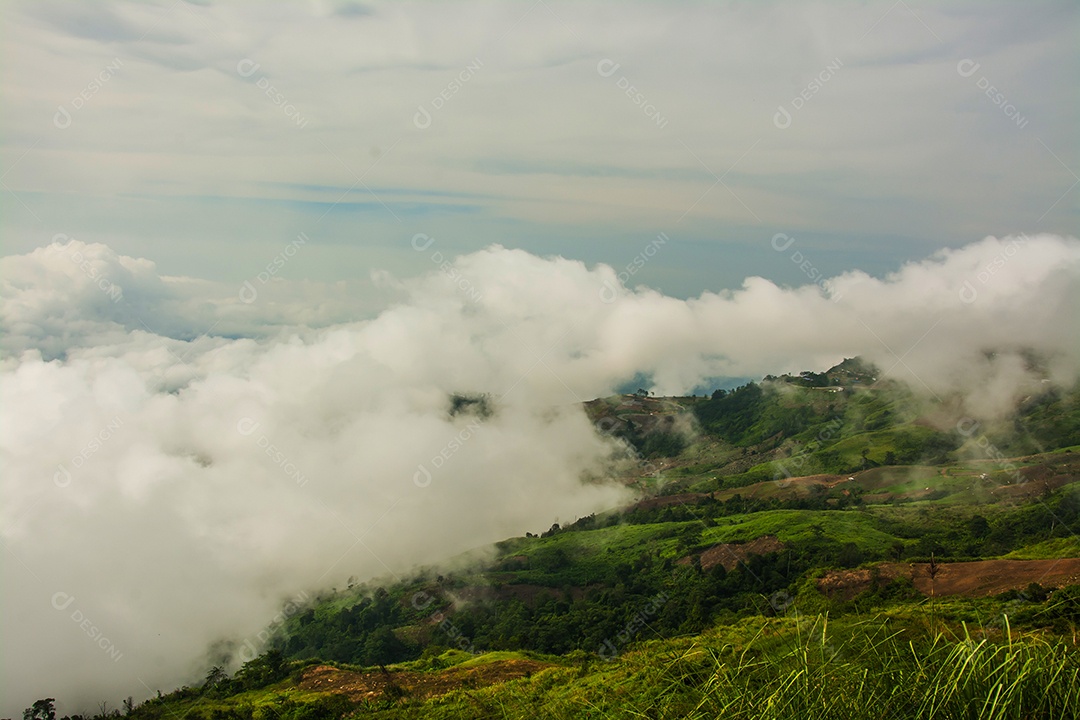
181, 457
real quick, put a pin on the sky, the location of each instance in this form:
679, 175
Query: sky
249, 251
206, 136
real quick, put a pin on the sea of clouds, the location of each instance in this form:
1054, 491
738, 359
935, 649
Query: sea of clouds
180, 459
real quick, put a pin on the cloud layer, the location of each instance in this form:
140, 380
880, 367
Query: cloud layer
167, 486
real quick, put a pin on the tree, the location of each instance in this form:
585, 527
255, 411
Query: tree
41, 710
215, 676
932, 570
978, 526
849, 555
263, 670
382, 647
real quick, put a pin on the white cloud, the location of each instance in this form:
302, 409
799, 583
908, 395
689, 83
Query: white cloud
179, 489
73, 294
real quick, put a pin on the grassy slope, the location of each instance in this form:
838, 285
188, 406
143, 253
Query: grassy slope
901, 662
791, 667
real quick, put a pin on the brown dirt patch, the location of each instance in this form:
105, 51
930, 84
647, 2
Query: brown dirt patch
970, 579
731, 554
800, 486
370, 685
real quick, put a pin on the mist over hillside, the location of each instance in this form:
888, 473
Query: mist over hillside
172, 486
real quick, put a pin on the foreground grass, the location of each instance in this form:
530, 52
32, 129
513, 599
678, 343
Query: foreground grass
793, 668
893, 665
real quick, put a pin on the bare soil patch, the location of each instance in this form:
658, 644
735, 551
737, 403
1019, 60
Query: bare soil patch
372, 684
731, 554
970, 579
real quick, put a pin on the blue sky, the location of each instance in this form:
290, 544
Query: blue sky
206, 136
